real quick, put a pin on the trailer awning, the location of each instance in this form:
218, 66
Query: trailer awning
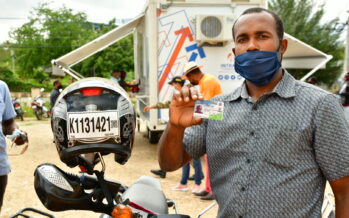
62, 65
300, 55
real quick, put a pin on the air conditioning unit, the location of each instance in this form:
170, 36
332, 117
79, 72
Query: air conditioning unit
214, 29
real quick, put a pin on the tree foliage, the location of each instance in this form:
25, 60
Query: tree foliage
13, 82
303, 21
49, 34
117, 56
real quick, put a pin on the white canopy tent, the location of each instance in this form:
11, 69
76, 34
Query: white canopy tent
299, 55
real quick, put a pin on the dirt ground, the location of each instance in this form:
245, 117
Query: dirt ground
20, 191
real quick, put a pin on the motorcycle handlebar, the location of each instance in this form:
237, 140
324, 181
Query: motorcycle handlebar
59, 191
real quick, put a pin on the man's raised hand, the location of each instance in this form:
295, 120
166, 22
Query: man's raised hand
182, 106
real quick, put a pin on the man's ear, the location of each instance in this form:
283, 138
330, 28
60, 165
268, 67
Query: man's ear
283, 46
234, 51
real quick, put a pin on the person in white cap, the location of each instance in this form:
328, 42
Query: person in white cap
177, 82
209, 85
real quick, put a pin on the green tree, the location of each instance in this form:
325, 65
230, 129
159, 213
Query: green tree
303, 21
117, 56
49, 34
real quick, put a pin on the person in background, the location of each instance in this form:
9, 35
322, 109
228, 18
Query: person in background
177, 84
134, 87
344, 93
8, 126
57, 86
119, 76
116, 76
209, 88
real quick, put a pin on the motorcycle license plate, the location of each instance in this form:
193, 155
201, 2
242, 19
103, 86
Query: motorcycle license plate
85, 125
17, 108
34, 106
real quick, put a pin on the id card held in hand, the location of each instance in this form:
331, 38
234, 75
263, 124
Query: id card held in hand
209, 110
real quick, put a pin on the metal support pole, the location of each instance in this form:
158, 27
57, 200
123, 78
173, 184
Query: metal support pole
13, 56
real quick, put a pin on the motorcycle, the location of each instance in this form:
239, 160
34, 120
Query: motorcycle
18, 109
59, 191
108, 120
39, 109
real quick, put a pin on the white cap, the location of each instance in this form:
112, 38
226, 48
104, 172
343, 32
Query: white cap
190, 66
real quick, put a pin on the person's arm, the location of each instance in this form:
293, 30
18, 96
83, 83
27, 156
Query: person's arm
158, 105
161, 105
171, 152
132, 85
147, 108
340, 188
8, 126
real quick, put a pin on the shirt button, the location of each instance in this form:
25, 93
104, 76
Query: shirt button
252, 133
248, 161
243, 189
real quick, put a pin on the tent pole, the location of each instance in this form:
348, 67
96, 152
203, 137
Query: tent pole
328, 58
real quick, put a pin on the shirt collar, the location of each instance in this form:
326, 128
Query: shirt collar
285, 89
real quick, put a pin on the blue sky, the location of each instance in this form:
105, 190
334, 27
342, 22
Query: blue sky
100, 11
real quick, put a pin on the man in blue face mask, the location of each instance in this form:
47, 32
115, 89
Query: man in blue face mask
258, 51
280, 139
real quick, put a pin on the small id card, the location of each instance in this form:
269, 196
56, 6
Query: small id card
209, 110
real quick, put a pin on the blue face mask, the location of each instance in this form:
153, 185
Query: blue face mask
258, 67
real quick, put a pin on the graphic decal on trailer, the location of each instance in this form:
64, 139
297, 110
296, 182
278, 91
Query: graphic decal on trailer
177, 46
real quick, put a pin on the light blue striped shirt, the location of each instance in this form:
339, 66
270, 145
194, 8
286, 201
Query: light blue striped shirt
6, 112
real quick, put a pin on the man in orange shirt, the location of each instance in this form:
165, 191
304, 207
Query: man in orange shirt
209, 85
209, 88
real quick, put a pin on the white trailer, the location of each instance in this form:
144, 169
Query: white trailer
169, 33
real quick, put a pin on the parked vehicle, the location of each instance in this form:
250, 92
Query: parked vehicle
18, 109
39, 108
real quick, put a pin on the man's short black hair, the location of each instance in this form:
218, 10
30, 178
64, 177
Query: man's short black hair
55, 82
278, 21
